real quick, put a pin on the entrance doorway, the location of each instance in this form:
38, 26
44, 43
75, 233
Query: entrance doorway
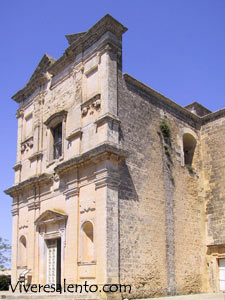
222, 274
54, 261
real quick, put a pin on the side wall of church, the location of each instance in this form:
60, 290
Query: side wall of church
161, 206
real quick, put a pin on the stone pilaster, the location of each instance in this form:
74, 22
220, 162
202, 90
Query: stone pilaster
15, 227
71, 247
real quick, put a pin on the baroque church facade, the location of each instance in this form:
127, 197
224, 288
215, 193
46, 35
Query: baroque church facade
115, 183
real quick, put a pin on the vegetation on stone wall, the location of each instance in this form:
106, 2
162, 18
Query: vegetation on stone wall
165, 133
165, 130
190, 168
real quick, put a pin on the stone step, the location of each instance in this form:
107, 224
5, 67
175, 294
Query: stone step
53, 296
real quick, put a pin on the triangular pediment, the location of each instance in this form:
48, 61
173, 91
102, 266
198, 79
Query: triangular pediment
43, 65
50, 216
71, 38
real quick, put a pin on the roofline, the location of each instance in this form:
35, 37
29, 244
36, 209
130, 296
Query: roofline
199, 120
161, 97
199, 104
83, 42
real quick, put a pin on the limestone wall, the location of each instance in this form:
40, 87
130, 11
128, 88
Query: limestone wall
213, 162
84, 93
161, 208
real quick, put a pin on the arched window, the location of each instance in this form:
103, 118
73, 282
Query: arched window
189, 144
56, 125
87, 249
23, 251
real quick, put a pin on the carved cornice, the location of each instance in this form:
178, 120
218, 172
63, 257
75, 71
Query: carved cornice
31, 86
101, 152
109, 181
85, 41
71, 38
48, 66
71, 192
24, 184
38, 78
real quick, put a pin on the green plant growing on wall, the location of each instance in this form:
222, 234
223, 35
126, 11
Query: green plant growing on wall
190, 168
165, 130
172, 179
166, 134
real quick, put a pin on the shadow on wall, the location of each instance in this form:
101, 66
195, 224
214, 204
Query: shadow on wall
127, 189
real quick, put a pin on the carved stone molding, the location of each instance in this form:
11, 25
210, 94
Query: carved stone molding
17, 166
87, 205
20, 113
100, 152
91, 105
23, 226
75, 133
55, 118
71, 192
27, 144
107, 181
50, 216
106, 118
15, 189
86, 263
34, 205
15, 211
35, 156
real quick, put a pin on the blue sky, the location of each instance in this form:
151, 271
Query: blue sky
177, 47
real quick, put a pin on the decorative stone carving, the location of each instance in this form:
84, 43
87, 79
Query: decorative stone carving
91, 105
87, 205
23, 226
27, 144
20, 113
17, 166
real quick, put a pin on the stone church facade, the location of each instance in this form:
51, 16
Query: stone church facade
115, 183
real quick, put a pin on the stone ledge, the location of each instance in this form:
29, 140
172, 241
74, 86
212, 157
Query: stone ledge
35, 156
74, 133
107, 117
86, 263
35, 179
17, 166
91, 155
